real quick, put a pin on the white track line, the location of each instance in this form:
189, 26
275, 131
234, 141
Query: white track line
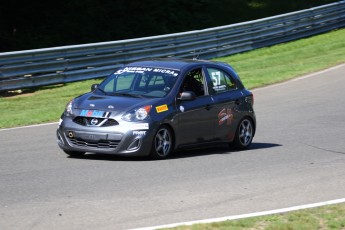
236, 217
30, 126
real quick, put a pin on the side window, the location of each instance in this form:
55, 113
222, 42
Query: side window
221, 81
145, 79
109, 87
124, 81
153, 82
194, 81
157, 80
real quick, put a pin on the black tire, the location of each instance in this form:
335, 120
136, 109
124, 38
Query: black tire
162, 144
74, 154
244, 134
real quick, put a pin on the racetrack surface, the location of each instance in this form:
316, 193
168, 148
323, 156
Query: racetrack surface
297, 157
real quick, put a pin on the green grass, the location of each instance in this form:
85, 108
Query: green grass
326, 217
256, 68
43, 105
285, 61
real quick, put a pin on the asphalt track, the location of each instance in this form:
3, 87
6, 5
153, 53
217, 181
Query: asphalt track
298, 157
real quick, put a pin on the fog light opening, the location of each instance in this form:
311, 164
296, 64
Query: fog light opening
70, 134
134, 145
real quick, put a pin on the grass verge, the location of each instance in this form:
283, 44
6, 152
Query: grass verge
256, 68
326, 217
289, 60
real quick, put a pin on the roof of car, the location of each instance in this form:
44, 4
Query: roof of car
170, 63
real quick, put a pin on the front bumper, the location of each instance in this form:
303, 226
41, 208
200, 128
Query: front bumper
126, 138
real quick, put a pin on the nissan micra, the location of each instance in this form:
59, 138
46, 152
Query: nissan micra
153, 107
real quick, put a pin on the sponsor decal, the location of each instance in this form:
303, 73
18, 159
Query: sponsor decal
92, 113
225, 116
162, 108
145, 69
219, 87
182, 108
139, 126
139, 133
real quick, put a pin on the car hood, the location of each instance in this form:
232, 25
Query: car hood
118, 104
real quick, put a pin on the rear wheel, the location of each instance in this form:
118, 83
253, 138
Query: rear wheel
75, 154
162, 144
244, 134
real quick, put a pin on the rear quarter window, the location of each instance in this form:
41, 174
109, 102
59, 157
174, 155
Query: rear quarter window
221, 81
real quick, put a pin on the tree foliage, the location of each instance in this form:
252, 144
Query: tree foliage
38, 24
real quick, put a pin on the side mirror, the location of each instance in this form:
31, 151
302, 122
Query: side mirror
94, 86
187, 96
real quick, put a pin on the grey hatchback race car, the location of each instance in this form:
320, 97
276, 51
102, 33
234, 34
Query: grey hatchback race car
154, 107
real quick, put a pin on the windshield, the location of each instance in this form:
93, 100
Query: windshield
140, 82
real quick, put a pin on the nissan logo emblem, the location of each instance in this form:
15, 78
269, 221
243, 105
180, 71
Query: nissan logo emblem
94, 121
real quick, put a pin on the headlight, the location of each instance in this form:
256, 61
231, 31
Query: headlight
69, 108
137, 114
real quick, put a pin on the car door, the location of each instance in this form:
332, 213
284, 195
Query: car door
227, 98
194, 116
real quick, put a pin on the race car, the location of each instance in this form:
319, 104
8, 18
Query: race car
153, 107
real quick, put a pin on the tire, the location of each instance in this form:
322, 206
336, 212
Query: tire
162, 144
244, 134
74, 154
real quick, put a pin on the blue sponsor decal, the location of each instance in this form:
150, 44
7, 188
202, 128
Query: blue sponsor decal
92, 113
97, 113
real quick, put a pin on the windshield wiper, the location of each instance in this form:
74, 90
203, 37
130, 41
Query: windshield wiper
127, 95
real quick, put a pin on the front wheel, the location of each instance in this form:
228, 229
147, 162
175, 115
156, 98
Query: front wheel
244, 134
162, 144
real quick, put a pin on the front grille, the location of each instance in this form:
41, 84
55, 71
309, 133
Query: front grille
101, 144
102, 122
110, 122
80, 121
